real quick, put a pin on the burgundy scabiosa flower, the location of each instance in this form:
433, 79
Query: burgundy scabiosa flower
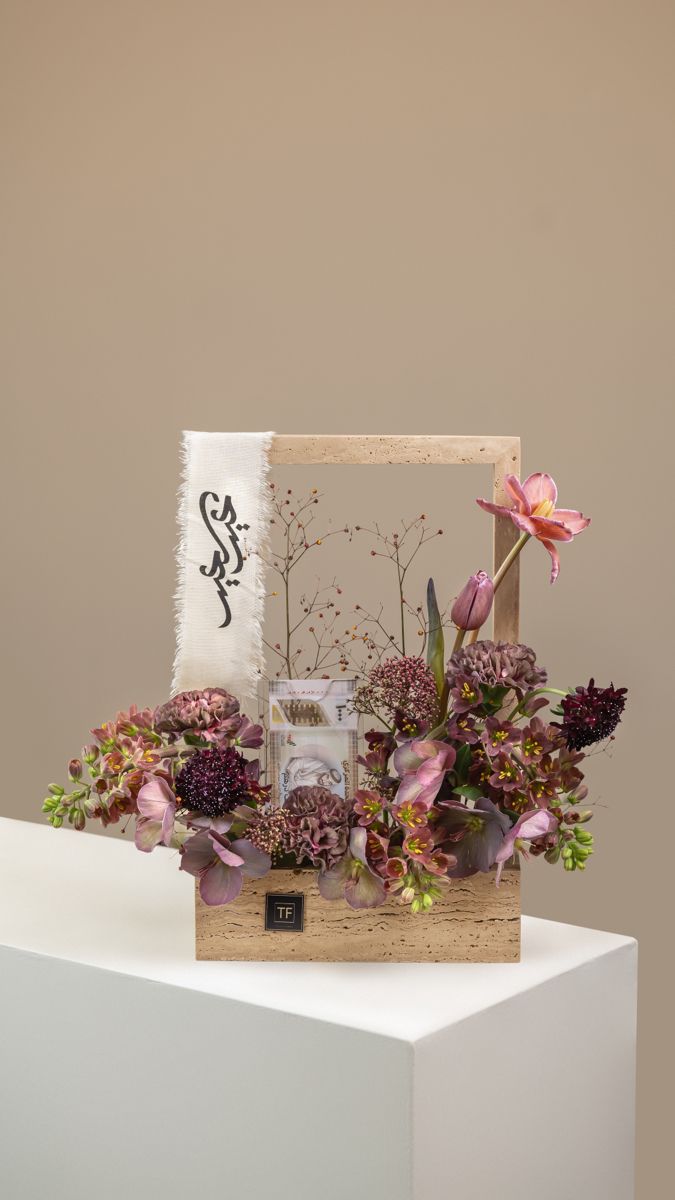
213, 782
591, 714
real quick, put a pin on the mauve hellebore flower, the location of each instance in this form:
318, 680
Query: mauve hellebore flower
533, 824
220, 865
421, 766
534, 511
352, 878
473, 604
156, 804
475, 834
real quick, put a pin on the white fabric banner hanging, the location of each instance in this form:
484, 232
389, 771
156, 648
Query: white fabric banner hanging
223, 518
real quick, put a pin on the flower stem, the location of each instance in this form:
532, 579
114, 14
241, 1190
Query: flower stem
458, 639
501, 572
537, 692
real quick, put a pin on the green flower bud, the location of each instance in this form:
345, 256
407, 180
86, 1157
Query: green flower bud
57, 822
583, 836
569, 864
55, 789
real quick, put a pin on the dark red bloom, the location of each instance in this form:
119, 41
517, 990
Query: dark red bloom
213, 782
591, 714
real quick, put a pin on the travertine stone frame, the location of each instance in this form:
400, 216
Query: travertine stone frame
474, 921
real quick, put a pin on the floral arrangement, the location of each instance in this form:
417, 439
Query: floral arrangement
462, 767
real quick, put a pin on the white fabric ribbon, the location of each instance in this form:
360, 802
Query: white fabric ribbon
223, 517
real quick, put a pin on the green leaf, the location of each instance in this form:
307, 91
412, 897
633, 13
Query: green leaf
469, 792
436, 647
462, 763
194, 739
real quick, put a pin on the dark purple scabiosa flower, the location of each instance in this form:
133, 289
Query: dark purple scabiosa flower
213, 782
591, 714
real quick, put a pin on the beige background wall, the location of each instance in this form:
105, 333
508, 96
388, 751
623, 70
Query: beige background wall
365, 216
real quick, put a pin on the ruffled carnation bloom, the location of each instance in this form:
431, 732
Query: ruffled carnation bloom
195, 711
496, 664
591, 714
534, 512
317, 822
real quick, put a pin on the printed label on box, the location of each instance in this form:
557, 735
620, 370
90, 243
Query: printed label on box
285, 912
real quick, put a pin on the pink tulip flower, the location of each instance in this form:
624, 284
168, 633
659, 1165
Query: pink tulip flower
473, 604
534, 511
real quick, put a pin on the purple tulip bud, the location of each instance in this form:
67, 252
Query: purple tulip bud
75, 768
472, 607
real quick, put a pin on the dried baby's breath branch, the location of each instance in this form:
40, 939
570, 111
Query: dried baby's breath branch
292, 521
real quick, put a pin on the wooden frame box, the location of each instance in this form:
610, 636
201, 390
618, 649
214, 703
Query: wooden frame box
474, 921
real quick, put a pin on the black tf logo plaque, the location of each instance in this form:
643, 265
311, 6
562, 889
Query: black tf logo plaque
285, 912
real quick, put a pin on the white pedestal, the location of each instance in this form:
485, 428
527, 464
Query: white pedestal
128, 1070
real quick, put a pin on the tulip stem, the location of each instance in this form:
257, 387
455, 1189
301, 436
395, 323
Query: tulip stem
501, 572
459, 638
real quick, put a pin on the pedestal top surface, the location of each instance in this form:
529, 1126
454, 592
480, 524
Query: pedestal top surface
97, 901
